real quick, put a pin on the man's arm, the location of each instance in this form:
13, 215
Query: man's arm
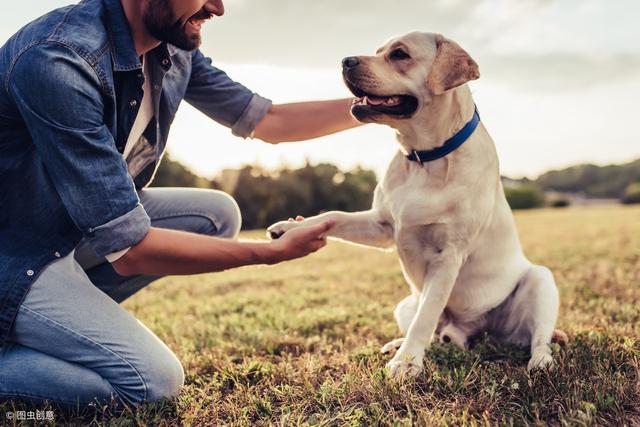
164, 252
305, 120
233, 105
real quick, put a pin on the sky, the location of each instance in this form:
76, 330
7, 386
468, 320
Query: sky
559, 85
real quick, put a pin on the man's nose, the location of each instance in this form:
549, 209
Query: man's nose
350, 62
216, 7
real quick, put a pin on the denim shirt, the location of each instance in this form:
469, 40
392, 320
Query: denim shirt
70, 88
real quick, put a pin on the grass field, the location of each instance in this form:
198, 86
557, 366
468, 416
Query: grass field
298, 343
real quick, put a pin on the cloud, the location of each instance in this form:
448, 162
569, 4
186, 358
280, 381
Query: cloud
560, 71
319, 33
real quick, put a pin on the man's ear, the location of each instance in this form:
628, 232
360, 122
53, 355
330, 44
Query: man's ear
451, 67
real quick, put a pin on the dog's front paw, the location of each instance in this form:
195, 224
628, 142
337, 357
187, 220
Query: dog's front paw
276, 230
541, 361
402, 366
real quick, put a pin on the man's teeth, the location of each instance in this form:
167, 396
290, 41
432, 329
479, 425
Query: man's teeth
197, 22
374, 100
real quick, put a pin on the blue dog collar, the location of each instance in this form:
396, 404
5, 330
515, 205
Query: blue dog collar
449, 145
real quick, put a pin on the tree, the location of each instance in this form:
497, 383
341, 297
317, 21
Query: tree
267, 197
524, 197
171, 173
632, 193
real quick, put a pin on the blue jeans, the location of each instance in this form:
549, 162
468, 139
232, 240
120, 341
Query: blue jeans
71, 342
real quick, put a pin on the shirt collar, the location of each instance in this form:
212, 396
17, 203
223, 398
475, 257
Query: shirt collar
125, 57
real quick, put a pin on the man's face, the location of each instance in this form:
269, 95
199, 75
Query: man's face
178, 22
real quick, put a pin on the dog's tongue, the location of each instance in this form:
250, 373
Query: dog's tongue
374, 100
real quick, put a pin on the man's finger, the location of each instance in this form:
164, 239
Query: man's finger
317, 244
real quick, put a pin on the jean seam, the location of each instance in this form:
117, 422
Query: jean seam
93, 342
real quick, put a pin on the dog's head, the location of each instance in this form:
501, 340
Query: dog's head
404, 75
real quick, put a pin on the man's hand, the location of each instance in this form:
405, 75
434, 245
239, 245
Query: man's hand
301, 241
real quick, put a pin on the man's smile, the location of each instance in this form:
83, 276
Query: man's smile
197, 20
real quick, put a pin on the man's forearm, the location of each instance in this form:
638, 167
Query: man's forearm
170, 252
305, 120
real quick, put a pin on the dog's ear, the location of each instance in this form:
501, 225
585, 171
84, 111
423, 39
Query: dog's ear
451, 67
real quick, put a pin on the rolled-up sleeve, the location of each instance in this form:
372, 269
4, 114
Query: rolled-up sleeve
228, 102
63, 107
132, 226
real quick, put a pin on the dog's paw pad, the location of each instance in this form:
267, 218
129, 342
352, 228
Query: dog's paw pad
274, 234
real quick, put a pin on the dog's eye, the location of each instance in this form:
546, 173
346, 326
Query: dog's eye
399, 55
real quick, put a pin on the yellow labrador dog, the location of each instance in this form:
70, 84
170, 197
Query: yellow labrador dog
441, 203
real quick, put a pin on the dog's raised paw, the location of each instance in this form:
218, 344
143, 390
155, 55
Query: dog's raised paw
392, 345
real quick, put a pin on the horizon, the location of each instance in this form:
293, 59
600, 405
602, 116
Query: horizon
559, 80
285, 166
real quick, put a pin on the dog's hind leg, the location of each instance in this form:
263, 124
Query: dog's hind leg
404, 314
537, 302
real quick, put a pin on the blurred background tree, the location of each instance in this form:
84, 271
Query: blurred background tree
174, 174
632, 193
524, 196
266, 196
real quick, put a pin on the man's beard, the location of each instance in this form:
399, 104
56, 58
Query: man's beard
159, 20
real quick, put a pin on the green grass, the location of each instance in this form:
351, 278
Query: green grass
298, 343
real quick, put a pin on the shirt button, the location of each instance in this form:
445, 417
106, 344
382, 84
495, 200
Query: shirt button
30, 273
133, 103
165, 62
57, 254
156, 87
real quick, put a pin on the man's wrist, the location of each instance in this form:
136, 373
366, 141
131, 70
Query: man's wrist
265, 253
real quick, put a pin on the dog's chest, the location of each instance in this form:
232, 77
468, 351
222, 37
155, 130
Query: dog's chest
418, 247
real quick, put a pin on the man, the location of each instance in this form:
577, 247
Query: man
87, 98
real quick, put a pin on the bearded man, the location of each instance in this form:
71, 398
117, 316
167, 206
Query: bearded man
87, 98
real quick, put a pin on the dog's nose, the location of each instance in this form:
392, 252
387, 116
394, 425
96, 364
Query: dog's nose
350, 62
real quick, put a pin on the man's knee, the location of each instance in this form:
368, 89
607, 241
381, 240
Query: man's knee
160, 375
164, 378
195, 210
151, 374
225, 213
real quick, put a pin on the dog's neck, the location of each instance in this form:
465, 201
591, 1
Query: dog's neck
438, 121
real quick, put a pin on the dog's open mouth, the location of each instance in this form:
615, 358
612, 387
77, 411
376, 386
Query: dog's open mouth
368, 104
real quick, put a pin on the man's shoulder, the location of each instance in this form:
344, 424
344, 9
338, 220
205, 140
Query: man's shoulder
81, 28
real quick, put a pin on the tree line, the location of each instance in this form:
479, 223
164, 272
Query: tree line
265, 197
